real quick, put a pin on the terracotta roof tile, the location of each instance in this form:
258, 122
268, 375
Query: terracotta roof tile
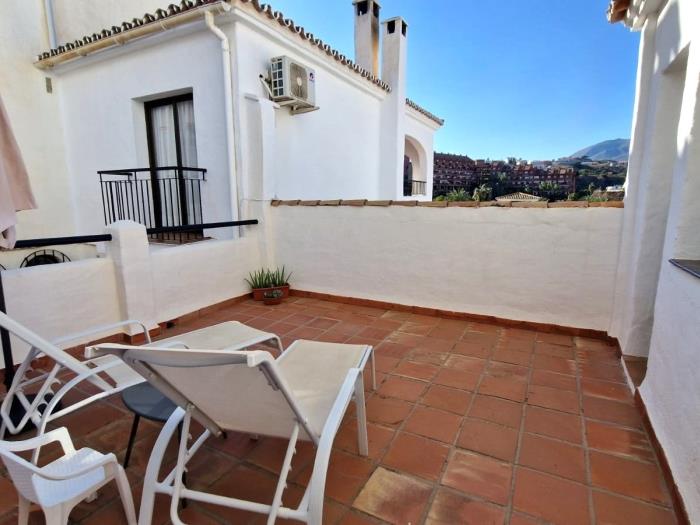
424, 111
186, 5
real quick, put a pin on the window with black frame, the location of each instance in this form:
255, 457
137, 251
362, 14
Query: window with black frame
172, 149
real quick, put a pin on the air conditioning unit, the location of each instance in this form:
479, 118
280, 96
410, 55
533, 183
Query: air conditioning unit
292, 84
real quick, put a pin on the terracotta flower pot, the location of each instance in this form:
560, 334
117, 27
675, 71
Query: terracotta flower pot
259, 293
272, 300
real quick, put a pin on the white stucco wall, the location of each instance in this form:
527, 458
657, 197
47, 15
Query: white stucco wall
657, 307
35, 119
187, 278
75, 18
61, 299
670, 390
104, 121
665, 97
542, 265
325, 154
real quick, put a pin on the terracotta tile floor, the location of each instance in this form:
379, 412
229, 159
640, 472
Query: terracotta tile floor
471, 423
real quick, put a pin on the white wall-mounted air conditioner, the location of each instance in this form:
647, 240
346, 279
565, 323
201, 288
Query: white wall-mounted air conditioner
292, 84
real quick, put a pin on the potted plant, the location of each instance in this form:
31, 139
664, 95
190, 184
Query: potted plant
279, 278
265, 280
273, 296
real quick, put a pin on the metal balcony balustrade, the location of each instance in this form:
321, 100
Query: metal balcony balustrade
155, 197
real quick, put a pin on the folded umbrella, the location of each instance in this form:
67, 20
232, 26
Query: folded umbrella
15, 191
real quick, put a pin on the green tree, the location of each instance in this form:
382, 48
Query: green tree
482, 193
458, 195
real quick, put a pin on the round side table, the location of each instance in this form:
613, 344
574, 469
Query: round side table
145, 401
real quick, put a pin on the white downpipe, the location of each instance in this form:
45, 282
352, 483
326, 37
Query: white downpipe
50, 23
228, 108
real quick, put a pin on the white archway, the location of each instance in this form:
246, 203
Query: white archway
415, 167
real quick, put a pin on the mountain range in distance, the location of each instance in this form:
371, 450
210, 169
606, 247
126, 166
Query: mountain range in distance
616, 149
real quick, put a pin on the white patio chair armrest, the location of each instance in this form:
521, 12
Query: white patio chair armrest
100, 329
101, 463
60, 434
68, 386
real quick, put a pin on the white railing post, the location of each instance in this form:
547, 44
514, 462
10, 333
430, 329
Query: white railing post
132, 265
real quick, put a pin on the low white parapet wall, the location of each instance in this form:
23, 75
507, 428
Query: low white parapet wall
188, 278
543, 265
61, 299
134, 280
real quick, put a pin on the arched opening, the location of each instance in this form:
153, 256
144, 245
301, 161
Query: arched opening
415, 176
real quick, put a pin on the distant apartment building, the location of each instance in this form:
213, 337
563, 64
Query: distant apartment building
451, 172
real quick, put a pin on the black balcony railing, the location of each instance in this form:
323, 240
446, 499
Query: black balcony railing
414, 187
155, 197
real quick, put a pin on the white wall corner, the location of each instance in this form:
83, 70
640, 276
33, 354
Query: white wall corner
132, 263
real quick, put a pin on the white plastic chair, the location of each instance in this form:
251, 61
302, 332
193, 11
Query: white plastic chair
303, 394
60, 485
107, 373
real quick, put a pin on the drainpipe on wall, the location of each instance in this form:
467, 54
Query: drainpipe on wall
50, 23
228, 108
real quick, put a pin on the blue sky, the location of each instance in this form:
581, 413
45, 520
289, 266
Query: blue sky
536, 79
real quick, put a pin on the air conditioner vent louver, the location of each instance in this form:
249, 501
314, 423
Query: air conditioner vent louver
300, 82
292, 84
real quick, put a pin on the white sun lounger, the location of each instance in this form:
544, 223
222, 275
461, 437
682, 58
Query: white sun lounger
38, 394
303, 394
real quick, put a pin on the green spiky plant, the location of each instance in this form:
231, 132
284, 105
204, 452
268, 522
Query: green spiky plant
279, 277
259, 279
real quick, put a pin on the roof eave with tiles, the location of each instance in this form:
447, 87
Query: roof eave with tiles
424, 112
174, 10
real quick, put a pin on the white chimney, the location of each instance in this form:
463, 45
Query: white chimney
393, 127
394, 54
367, 35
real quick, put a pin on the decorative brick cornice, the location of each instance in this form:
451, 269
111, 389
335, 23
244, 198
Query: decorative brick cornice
447, 204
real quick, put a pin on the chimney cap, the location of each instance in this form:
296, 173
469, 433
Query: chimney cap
394, 19
392, 23
355, 2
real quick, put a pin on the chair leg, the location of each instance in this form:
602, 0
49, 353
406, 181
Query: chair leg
125, 494
23, 510
56, 515
132, 438
150, 479
374, 371
362, 441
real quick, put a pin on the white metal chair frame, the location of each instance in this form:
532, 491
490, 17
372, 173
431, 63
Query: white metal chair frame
310, 509
87, 370
29, 478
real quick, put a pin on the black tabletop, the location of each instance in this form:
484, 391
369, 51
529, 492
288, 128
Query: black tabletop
144, 400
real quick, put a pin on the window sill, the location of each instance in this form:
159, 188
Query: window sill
687, 265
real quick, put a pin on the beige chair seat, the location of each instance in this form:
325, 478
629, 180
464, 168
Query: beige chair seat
316, 393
